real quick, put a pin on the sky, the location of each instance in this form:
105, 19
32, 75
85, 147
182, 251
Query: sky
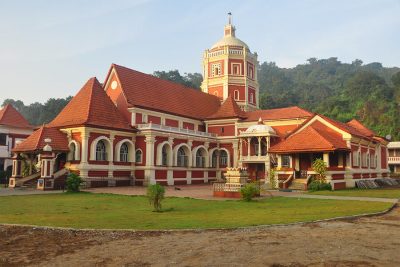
49, 49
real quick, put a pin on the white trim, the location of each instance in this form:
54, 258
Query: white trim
141, 156
77, 155
108, 148
131, 148
194, 153
189, 154
159, 154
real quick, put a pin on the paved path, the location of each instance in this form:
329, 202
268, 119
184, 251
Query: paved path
26, 191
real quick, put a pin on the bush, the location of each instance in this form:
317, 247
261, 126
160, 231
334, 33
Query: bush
155, 194
249, 191
317, 185
74, 182
319, 166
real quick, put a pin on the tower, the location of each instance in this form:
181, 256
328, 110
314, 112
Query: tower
230, 68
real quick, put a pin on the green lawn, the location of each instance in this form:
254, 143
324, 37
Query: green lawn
85, 210
381, 193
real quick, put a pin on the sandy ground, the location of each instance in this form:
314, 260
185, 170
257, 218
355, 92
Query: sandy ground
368, 241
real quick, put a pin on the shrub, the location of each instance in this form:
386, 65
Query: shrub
272, 180
73, 182
317, 185
319, 166
155, 194
249, 191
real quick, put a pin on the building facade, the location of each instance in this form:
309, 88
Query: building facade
137, 129
394, 157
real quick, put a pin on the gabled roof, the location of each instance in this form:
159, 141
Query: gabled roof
344, 127
9, 116
35, 142
91, 106
316, 137
149, 92
278, 114
229, 109
360, 127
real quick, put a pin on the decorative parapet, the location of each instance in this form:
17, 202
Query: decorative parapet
159, 127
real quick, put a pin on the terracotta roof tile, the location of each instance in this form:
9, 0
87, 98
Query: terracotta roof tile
345, 127
91, 106
146, 91
284, 130
360, 127
11, 117
229, 109
35, 142
278, 113
315, 137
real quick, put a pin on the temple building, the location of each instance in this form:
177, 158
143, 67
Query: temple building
137, 129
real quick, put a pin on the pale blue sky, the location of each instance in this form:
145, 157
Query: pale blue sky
50, 48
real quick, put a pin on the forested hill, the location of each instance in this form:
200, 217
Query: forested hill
369, 93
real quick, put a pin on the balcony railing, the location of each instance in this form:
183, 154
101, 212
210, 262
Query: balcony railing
393, 160
253, 158
152, 126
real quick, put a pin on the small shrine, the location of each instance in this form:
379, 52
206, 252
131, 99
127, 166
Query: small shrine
236, 178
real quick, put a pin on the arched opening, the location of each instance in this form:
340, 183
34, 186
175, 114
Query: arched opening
201, 157
101, 151
223, 159
124, 153
164, 155
138, 156
214, 159
182, 157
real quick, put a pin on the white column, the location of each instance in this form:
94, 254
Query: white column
149, 173
85, 147
326, 159
279, 161
111, 159
235, 153
248, 147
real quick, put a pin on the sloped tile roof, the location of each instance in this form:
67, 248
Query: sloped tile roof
314, 138
146, 91
91, 106
229, 109
345, 127
360, 127
35, 142
9, 116
278, 114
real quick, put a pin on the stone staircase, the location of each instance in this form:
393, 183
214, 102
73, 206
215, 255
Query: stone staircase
298, 184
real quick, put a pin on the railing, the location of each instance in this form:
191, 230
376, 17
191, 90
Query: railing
393, 159
253, 158
287, 182
151, 126
223, 187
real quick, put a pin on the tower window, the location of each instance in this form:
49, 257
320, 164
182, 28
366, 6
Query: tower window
216, 69
236, 95
250, 72
236, 69
251, 98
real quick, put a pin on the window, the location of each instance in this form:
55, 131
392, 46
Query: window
214, 159
236, 94
359, 159
138, 156
182, 159
286, 161
164, 155
223, 158
251, 98
216, 69
222, 129
200, 158
72, 151
3, 139
355, 158
101, 152
368, 160
250, 72
236, 69
123, 153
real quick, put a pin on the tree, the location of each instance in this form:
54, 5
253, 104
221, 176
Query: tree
155, 195
192, 80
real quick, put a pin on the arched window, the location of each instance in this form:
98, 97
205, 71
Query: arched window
124, 152
72, 151
182, 158
164, 154
101, 152
236, 94
214, 159
200, 158
138, 156
223, 158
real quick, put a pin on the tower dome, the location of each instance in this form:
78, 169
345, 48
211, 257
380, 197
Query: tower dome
230, 38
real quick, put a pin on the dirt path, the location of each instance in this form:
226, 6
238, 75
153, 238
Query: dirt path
371, 241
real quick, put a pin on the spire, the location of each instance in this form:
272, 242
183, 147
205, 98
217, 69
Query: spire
229, 29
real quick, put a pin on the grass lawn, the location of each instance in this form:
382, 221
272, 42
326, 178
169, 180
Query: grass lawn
382, 193
85, 210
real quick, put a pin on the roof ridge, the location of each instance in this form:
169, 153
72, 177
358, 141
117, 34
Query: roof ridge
92, 80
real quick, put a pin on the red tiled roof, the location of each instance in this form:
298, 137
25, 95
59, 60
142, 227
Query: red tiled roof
315, 137
360, 127
278, 113
229, 109
344, 127
11, 117
35, 142
146, 91
91, 106
284, 130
